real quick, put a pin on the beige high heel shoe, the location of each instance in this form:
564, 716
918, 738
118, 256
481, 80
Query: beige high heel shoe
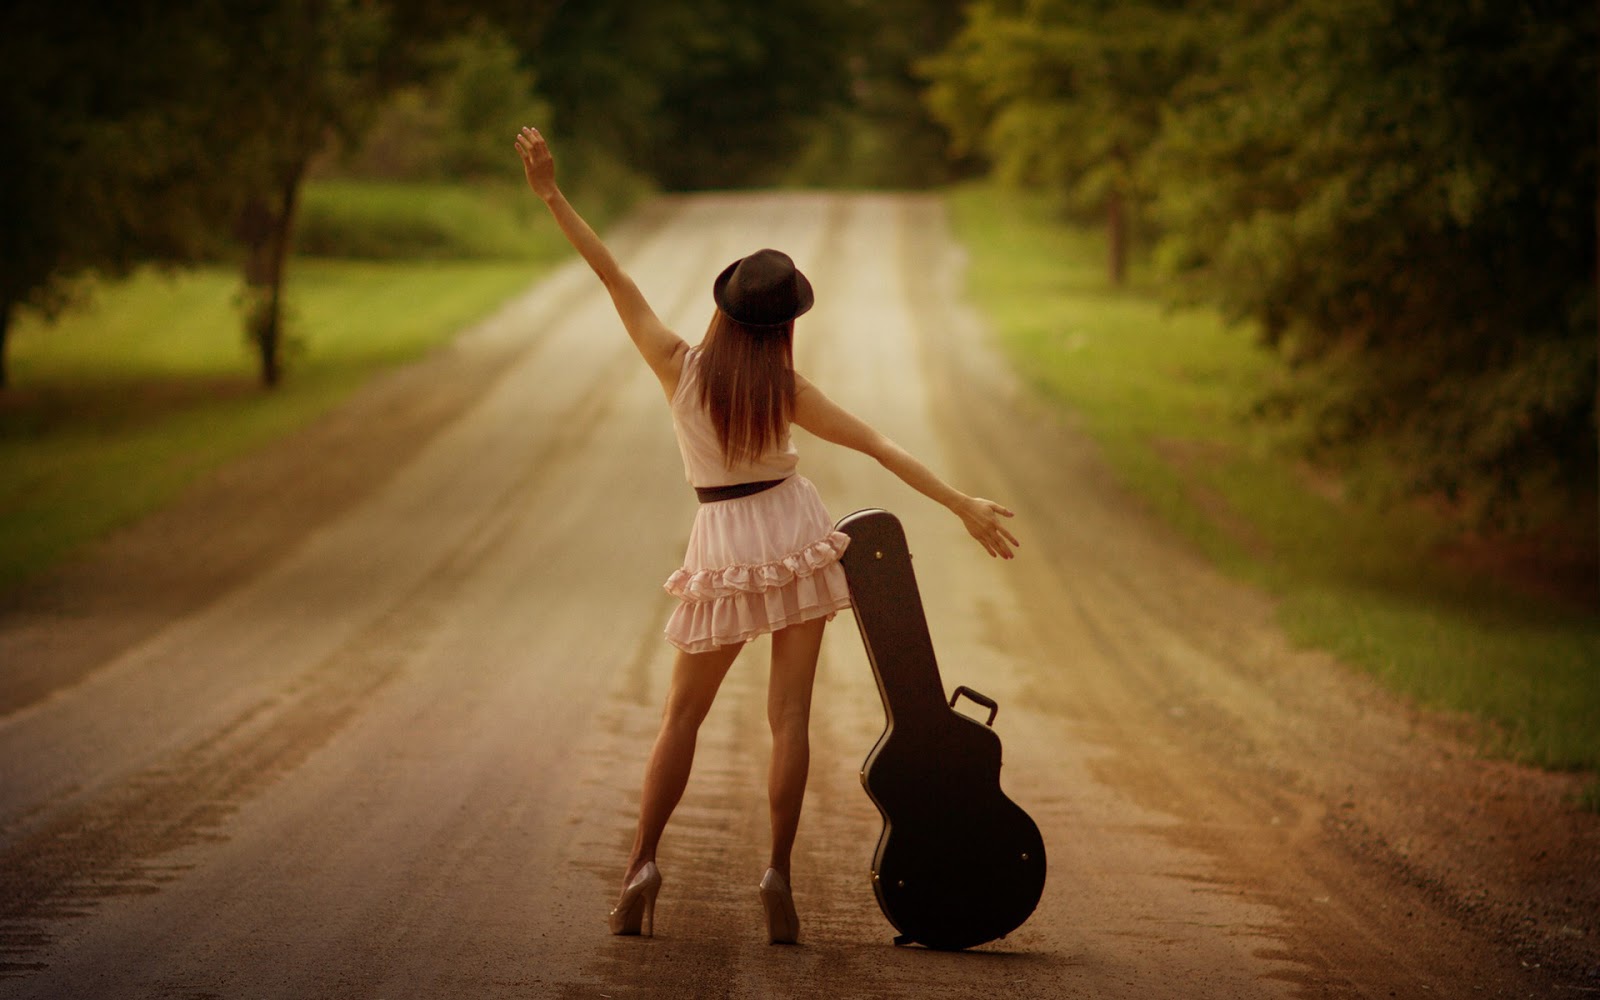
783, 923
635, 912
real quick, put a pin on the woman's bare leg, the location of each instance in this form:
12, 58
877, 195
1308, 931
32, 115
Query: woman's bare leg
695, 680
794, 668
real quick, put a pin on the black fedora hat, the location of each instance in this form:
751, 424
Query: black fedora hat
763, 289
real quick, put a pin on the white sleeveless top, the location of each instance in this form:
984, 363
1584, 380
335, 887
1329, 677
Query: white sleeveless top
697, 440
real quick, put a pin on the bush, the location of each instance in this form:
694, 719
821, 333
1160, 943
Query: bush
405, 221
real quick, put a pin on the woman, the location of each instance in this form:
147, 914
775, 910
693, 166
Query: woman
763, 557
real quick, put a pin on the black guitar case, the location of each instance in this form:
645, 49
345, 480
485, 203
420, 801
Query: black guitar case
958, 863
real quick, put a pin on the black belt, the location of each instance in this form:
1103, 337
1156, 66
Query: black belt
712, 494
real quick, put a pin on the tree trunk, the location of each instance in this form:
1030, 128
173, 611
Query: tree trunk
1117, 236
6, 310
268, 230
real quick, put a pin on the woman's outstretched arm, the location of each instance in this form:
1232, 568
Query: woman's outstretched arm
831, 422
662, 349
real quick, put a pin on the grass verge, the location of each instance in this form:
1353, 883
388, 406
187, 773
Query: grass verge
393, 220
117, 407
1168, 394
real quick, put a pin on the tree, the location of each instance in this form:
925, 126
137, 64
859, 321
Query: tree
1068, 95
316, 71
1400, 195
312, 73
176, 130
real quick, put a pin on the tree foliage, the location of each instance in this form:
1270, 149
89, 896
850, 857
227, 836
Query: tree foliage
107, 155
886, 136
451, 121
170, 131
1399, 194
697, 94
1402, 195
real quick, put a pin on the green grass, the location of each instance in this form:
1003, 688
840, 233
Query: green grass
410, 221
117, 407
1169, 392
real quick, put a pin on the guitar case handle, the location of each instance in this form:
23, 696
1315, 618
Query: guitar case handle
983, 700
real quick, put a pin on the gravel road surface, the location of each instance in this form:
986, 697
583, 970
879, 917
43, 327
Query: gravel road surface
365, 715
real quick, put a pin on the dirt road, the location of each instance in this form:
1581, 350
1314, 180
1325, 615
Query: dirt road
365, 715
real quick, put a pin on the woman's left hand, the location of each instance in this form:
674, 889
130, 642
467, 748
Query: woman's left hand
537, 163
982, 518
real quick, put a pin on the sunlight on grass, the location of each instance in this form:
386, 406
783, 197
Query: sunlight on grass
1169, 394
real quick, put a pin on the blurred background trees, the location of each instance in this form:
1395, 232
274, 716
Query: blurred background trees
1398, 194
707, 94
1402, 196
176, 131
107, 154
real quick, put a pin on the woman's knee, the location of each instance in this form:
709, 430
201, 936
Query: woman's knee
789, 722
686, 708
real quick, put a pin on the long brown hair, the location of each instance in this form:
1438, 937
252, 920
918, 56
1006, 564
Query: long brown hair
747, 385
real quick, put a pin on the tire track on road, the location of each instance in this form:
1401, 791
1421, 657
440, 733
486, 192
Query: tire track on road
97, 841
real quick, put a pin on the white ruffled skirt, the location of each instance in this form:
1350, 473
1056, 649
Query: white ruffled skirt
755, 565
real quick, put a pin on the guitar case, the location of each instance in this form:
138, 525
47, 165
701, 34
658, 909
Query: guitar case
958, 863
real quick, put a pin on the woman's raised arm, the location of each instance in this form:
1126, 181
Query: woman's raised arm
661, 348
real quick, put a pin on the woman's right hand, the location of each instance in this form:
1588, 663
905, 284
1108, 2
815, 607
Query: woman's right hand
982, 518
537, 163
